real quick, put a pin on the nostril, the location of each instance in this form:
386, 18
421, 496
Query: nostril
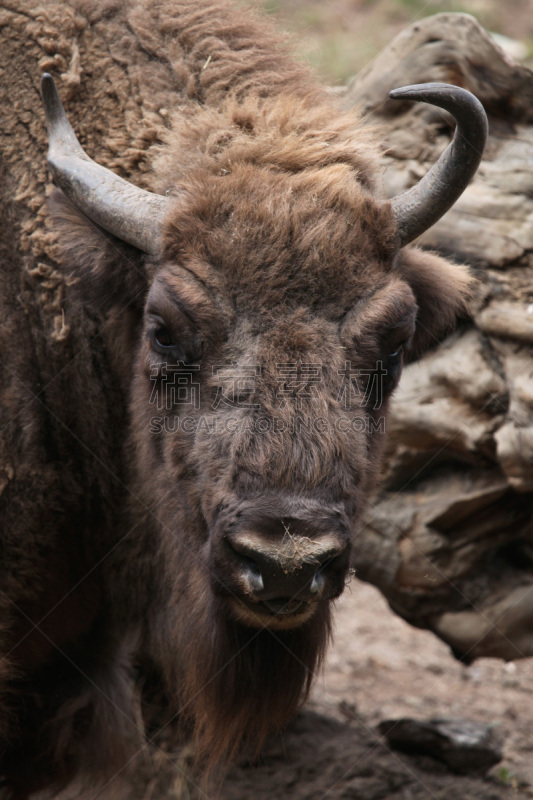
255, 579
251, 573
317, 583
269, 569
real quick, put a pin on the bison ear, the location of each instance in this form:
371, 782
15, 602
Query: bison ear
442, 290
107, 271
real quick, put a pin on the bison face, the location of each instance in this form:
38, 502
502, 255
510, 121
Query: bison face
280, 304
273, 336
265, 358
278, 273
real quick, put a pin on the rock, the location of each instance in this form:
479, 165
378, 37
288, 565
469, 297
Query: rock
449, 540
508, 320
514, 448
466, 747
453, 48
497, 628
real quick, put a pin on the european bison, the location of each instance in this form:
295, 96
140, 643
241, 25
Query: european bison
194, 381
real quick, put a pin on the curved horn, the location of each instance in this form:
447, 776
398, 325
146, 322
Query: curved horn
130, 213
420, 207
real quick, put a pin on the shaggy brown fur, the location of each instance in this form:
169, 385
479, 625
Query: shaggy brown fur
276, 251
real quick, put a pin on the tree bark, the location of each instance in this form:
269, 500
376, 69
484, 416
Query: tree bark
449, 540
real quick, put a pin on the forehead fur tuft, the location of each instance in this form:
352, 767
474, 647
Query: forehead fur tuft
285, 134
281, 189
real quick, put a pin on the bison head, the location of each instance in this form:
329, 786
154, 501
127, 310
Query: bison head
279, 305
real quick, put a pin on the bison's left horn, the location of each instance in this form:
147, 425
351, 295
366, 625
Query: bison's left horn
130, 213
420, 207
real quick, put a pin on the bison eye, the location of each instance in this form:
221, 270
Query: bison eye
162, 339
395, 358
177, 346
393, 367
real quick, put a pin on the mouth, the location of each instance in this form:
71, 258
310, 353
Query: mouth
279, 614
284, 606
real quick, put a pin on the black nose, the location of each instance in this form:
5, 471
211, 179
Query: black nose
285, 573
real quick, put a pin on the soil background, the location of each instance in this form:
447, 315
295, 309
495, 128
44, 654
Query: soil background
382, 668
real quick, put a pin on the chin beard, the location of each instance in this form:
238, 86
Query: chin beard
240, 684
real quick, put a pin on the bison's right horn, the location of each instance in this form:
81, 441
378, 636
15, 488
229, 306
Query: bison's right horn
130, 213
420, 207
